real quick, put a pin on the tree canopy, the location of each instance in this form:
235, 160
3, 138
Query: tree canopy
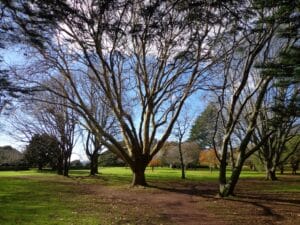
42, 150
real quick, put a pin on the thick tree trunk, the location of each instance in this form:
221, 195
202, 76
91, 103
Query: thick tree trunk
94, 165
66, 167
138, 178
271, 175
270, 171
60, 167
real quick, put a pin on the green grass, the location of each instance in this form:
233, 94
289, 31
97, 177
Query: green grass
124, 175
31, 197
30, 201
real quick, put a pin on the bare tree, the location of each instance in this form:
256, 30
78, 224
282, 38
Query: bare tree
93, 149
146, 57
241, 86
98, 107
55, 119
180, 129
170, 154
275, 115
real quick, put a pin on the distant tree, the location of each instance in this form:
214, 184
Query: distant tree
295, 161
42, 150
97, 106
154, 163
48, 115
203, 129
170, 154
207, 157
180, 129
108, 158
76, 164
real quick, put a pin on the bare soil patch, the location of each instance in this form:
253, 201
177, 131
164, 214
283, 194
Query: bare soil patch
193, 203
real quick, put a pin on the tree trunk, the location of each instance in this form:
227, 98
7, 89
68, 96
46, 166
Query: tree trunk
227, 189
181, 161
139, 176
270, 171
222, 175
66, 167
94, 165
271, 175
60, 167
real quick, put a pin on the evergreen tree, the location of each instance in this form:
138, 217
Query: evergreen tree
203, 128
43, 150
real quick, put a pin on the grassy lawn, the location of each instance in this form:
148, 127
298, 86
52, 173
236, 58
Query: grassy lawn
31, 197
40, 200
121, 175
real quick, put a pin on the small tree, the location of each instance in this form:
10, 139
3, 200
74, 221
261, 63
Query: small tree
154, 163
180, 129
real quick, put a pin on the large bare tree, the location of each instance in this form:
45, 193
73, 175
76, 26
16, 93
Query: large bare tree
146, 57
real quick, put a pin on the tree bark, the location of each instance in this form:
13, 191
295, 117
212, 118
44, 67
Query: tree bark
94, 165
138, 178
66, 166
270, 171
222, 173
60, 167
271, 175
227, 189
181, 161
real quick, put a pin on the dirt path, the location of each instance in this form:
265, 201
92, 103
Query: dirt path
178, 204
194, 203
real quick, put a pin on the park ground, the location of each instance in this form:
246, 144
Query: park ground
31, 197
